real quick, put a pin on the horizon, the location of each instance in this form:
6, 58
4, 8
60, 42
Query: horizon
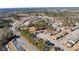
38, 7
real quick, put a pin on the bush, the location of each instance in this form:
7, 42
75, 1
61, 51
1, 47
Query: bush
5, 37
41, 44
40, 24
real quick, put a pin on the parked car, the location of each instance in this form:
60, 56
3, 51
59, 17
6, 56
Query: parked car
49, 43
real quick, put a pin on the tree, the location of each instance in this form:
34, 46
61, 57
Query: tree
40, 44
40, 24
15, 16
5, 37
27, 34
4, 23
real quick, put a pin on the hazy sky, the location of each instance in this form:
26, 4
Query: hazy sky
38, 3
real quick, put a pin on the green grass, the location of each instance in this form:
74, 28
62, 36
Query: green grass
40, 24
41, 44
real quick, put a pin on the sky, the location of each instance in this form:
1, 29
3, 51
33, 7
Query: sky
38, 3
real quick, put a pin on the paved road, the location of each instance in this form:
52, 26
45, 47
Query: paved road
24, 43
56, 42
28, 45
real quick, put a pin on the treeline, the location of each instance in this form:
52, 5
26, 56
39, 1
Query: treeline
4, 23
5, 37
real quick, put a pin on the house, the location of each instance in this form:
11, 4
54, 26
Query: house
72, 38
23, 15
71, 42
32, 29
27, 23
